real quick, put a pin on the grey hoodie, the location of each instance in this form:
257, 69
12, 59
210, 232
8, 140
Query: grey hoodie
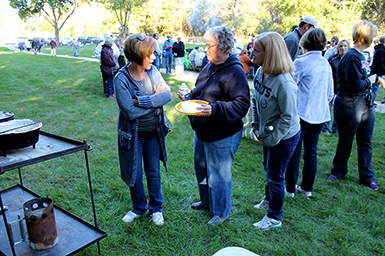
275, 104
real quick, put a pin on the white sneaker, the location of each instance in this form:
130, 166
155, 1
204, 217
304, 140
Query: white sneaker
267, 223
263, 205
130, 216
157, 218
304, 192
289, 194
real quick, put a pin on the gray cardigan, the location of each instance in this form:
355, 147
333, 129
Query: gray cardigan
127, 89
275, 103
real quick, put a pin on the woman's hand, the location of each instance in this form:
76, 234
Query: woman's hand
161, 87
175, 54
381, 81
135, 102
372, 78
206, 110
256, 132
181, 94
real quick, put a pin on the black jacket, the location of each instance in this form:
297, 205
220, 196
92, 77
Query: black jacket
178, 48
226, 88
352, 74
378, 64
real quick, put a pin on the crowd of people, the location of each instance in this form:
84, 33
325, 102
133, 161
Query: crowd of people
295, 87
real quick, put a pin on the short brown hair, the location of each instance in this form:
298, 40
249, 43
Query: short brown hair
314, 40
363, 32
382, 39
277, 58
136, 50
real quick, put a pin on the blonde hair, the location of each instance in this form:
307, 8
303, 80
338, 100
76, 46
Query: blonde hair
340, 42
277, 58
363, 32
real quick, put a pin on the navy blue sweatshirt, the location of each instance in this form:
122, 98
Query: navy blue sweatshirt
226, 88
352, 73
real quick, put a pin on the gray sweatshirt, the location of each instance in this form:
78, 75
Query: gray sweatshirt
275, 104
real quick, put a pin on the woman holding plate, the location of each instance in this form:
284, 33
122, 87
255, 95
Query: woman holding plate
218, 126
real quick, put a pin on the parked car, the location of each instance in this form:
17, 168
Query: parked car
95, 39
84, 39
65, 41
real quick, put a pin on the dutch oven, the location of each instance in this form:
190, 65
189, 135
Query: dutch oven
18, 133
6, 116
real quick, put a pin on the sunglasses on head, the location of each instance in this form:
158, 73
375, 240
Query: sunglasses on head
141, 37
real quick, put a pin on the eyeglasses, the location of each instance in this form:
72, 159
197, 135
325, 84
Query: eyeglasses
141, 37
210, 45
256, 51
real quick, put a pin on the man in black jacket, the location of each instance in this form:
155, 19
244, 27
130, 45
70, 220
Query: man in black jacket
378, 64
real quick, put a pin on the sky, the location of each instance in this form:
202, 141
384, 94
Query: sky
9, 20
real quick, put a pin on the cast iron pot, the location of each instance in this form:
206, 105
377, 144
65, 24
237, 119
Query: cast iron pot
19, 133
6, 116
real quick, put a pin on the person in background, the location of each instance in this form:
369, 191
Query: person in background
199, 58
21, 46
250, 45
218, 127
353, 109
107, 66
314, 78
292, 39
275, 120
342, 47
167, 48
75, 45
191, 57
38, 45
141, 94
245, 60
178, 51
158, 51
333, 48
238, 47
34, 47
53, 46
378, 64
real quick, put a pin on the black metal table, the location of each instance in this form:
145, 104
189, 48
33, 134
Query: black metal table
74, 233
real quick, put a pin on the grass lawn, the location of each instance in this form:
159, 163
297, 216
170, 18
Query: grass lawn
343, 218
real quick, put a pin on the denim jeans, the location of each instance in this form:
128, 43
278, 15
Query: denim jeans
275, 160
354, 118
212, 162
169, 59
157, 61
309, 138
149, 151
34, 52
75, 50
108, 85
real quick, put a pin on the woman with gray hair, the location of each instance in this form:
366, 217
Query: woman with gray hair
218, 127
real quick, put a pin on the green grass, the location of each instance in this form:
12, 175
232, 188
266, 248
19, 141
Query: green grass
343, 218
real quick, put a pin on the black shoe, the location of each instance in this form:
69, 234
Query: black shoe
199, 206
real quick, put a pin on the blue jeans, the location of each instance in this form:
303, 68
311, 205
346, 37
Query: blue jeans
275, 160
309, 137
75, 50
212, 162
157, 61
169, 59
34, 52
149, 151
108, 85
354, 118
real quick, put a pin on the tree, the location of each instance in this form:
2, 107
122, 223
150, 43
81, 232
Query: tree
56, 12
374, 10
123, 10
